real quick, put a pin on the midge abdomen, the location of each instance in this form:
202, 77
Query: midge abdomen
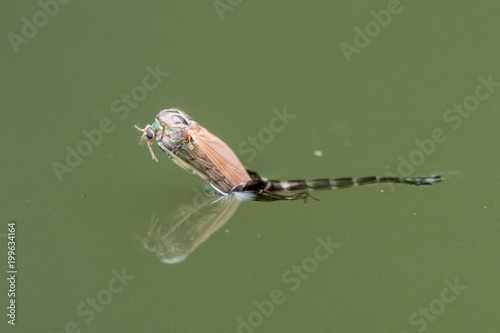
272, 190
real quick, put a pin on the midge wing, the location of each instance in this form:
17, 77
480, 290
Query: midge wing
221, 156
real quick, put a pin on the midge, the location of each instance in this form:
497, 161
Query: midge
198, 151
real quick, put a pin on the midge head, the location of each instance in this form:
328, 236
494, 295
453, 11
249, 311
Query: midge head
148, 132
148, 135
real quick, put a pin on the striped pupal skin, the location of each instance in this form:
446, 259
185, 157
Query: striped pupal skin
272, 190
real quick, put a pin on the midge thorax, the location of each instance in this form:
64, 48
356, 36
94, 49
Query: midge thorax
198, 151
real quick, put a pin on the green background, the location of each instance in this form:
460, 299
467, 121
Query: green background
397, 248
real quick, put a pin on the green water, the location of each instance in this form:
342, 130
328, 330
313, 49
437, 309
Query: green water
402, 259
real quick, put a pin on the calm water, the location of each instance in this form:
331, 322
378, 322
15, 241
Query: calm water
374, 88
